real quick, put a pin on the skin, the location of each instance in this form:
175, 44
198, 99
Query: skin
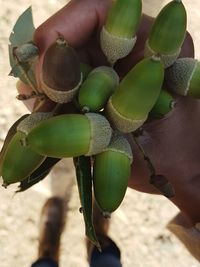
172, 143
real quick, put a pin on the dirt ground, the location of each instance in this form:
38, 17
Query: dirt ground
138, 226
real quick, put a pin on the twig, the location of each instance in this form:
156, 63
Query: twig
146, 158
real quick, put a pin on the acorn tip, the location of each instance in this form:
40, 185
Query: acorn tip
156, 57
5, 185
106, 215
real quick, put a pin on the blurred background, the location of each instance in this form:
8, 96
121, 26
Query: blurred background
138, 226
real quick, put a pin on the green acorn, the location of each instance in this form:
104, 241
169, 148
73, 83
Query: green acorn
168, 33
85, 70
164, 104
18, 161
183, 77
136, 95
97, 88
118, 35
111, 172
70, 135
61, 75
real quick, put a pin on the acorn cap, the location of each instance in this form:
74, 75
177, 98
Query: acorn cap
120, 122
118, 35
178, 76
120, 144
26, 125
115, 47
60, 72
109, 71
167, 60
101, 133
61, 96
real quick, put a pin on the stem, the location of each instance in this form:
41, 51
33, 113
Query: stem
158, 181
56, 108
146, 158
40, 104
23, 97
32, 85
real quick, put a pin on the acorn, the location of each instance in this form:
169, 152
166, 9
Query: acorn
61, 75
164, 104
70, 135
111, 172
168, 33
136, 95
97, 88
118, 35
183, 77
19, 161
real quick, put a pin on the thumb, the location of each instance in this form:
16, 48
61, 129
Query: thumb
75, 22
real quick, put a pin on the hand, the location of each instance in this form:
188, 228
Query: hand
172, 143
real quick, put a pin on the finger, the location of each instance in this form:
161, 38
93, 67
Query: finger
76, 22
24, 89
34, 103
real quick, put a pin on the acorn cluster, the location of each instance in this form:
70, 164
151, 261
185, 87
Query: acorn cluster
92, 109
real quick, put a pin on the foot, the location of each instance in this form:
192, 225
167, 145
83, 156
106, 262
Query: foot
52, 223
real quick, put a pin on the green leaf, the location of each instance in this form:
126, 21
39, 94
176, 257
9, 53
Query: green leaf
23, 30
9, 136
22, 33
84, 179
39, 174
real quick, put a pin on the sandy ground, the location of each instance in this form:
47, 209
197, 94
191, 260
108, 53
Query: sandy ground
138, 226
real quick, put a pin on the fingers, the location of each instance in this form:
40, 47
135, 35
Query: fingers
34, 102
23, 88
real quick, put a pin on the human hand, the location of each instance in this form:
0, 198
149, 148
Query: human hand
172, 142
